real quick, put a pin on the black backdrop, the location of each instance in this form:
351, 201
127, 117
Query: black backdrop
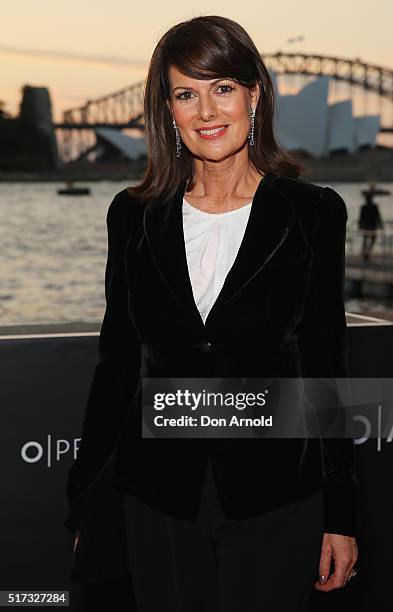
44, 386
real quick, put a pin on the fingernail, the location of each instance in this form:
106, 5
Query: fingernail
322, 579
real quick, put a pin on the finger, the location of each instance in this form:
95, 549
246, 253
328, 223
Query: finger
324, 564
348, 577
353, 561
330, 585
348, 573
340, 574
352, 565
76, 542
337, 578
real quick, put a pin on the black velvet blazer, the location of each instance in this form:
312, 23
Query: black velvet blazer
280, 313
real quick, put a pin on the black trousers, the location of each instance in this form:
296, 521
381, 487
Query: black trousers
267, 563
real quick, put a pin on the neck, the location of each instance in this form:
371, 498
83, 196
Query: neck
226, 180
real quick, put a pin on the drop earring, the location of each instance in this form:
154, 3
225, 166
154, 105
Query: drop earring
251, 132
178, 142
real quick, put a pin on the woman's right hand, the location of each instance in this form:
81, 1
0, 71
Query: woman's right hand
77, 533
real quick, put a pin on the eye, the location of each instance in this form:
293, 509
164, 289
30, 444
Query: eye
184, 94
179, 96
228, 87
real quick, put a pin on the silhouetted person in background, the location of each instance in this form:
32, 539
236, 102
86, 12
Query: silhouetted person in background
369, 221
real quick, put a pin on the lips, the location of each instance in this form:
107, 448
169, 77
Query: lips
211, 127
212, 132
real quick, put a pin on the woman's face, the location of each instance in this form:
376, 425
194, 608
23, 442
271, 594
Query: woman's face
199, 105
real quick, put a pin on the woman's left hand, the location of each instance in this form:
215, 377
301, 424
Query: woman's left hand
343, 549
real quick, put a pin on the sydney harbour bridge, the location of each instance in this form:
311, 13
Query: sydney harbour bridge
370, 87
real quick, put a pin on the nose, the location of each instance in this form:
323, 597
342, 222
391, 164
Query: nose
207, 108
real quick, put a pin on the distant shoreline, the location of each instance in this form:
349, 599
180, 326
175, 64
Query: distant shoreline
361, 167
25, 177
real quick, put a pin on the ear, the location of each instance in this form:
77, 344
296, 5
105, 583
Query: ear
254, 95
170, 108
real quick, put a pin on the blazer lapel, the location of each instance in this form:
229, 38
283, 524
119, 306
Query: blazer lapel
269, 222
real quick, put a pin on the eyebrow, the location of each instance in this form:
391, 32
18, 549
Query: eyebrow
212, 83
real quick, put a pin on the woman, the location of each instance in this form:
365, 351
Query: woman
221, 263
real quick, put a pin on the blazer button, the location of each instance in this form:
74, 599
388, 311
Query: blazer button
206, 346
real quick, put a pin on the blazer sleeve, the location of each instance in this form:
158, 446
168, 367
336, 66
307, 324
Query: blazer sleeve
324, 348
116, 374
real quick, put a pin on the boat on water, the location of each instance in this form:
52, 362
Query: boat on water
70, 190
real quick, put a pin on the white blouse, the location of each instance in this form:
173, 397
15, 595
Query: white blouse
212, 241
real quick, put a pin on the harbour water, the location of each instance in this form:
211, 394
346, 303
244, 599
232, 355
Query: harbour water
53, 250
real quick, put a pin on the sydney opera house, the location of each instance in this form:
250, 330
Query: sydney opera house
304, 121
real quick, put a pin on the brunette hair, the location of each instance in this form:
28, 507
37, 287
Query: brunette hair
205, 47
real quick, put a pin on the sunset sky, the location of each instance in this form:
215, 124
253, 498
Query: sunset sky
80, 49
